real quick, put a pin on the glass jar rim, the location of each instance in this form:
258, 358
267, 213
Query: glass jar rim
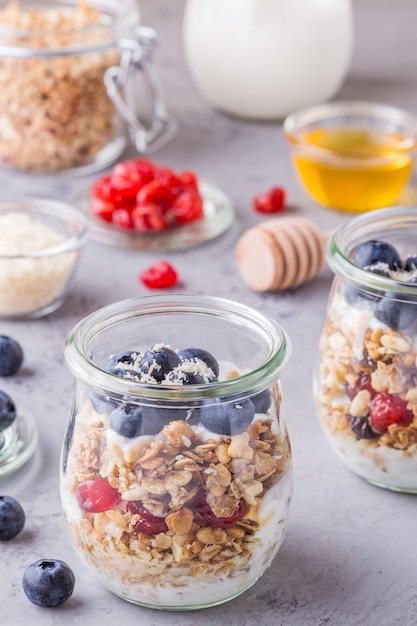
85, 370
296, 122
62, 212
359, 229
115, 24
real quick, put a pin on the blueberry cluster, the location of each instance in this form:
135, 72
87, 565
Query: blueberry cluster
380, 257
164, 366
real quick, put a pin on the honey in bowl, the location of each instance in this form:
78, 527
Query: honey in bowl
354, 169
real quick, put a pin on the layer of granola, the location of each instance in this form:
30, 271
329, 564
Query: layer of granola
361, 358
192, 562
54, 111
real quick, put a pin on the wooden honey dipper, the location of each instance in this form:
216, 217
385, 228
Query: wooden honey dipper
280, 253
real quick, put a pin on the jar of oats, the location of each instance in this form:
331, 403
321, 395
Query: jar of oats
70, 77
366, 379
176, 473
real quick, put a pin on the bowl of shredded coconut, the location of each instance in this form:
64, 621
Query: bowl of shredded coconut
40, 244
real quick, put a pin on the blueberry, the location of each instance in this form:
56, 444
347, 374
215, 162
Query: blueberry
126, 420
130, 420
48, 582
373, 251
12, 518
197, 353
227, 418
128, 357
7, 411
395, 313
362, 428
158, 362
179, 376
11, 356
102, 403
411, 263
262, 401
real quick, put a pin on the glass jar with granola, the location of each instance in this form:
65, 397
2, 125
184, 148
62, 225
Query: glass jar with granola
176, 472
71, 76
366, 379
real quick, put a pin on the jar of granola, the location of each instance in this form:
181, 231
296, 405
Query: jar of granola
366, 379
176, 472
71, 74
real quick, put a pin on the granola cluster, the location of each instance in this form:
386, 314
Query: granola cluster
359, 362
169, 474
54, 110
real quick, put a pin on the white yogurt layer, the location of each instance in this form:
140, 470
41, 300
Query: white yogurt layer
172, 586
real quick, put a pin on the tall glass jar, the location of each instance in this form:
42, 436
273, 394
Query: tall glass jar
69, 85
176, 471
366, 378
262, 59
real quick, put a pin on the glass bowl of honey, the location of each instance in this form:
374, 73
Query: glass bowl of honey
352, 156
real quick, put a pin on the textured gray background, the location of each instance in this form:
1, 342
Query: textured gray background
349, 555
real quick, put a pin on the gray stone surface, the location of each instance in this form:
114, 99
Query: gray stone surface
349, 554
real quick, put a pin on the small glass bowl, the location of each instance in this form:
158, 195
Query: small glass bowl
40, 244
352, 156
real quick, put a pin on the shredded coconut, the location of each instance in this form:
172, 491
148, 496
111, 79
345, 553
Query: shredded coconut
30, 284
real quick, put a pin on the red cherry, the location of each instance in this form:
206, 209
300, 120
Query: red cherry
102, 209
187, 206
272, 201
159, 276
95, 496
189, 179
155, 193
136, 170
149, 524
363, 382
387, 409
122, 218
207, 514
149, 216
102, 188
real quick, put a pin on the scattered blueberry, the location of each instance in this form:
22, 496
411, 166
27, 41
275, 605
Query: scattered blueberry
12, 518
395, 313
372, 252
11, 356
48, 583
158, 362
196, 353
7, 411
227, 418
262, 401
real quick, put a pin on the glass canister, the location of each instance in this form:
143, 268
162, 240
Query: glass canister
176, 472
72, 77
263, 59
366, 378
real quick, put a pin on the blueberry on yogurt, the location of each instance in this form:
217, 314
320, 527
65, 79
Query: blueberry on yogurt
48, 583
227, 418
158, 362
12, 518
194, 354
373, 252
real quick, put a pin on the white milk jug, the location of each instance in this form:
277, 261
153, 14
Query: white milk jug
262, 59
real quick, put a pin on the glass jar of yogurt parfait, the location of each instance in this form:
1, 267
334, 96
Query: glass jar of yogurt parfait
176, 472
366, 378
